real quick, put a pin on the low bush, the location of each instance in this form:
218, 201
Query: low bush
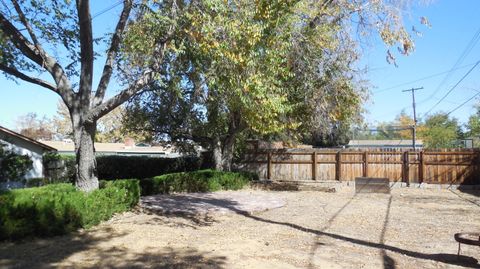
36, 182
197, 181
60, 208
61, 168
113, 167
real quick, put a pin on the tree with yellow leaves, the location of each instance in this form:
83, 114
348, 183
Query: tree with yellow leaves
266, 67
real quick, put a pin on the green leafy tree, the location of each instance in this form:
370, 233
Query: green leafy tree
440, 131
473, 127
263, 67
56, 37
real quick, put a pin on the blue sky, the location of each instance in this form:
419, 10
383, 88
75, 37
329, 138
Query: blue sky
454, 23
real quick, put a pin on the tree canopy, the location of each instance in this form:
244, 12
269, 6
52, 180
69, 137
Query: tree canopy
269, 68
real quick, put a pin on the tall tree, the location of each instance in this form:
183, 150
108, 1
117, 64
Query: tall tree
261, 66
56, 37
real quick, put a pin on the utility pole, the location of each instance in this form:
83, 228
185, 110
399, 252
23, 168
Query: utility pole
414, 136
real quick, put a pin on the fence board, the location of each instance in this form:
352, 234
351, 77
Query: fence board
435, 167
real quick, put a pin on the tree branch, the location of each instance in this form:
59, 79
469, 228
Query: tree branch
102, 109
112, 52
86, 51
14, 72
25, 23
20, 41
145, 79
38, 56
317, 19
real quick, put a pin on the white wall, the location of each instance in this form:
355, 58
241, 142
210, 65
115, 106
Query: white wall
23, 147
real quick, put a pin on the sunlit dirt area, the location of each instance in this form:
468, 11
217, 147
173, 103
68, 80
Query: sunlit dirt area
409, 228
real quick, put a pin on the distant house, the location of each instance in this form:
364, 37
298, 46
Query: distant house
384, 144
129, 148
23, 145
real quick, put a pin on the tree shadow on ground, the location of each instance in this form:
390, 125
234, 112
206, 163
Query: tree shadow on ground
469, 195
446, 258
55, 252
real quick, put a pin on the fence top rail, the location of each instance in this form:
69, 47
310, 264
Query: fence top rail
353, 152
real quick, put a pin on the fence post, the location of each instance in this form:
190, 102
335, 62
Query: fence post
269, 165
314, 165
421, 168
405, 168
365, 164
338, 166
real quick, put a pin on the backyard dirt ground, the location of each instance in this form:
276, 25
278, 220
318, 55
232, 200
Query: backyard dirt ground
409, 228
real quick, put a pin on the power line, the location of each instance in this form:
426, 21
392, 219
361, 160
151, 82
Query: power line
464, 103
423, 78
460, 59
454, 86
107, 9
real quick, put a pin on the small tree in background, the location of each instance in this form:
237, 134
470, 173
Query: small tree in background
473, 127
440, 131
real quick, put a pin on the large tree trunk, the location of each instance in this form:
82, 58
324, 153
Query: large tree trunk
223, 153
227, 153
217, 154
86, 164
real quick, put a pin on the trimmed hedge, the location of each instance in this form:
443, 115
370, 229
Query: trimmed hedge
60, 208
111, 167
197, 181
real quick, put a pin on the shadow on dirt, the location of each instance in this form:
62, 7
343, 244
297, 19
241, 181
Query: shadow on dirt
446, 258
53, 252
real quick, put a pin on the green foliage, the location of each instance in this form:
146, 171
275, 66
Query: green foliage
473, 127
37, 182
265, 68
198, 181
110, 167
440, 131
59, 168
60, 208
13, 166
54, 24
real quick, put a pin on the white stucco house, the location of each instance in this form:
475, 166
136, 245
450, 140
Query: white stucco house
26, 146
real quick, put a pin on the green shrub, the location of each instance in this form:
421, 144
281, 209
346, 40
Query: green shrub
60, 208
197, 181
113, 167
36, 182
61, 168
13, 166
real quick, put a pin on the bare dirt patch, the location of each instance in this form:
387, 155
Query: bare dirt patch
411, 228
221, 202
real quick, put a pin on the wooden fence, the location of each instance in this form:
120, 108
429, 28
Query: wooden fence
441, 167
